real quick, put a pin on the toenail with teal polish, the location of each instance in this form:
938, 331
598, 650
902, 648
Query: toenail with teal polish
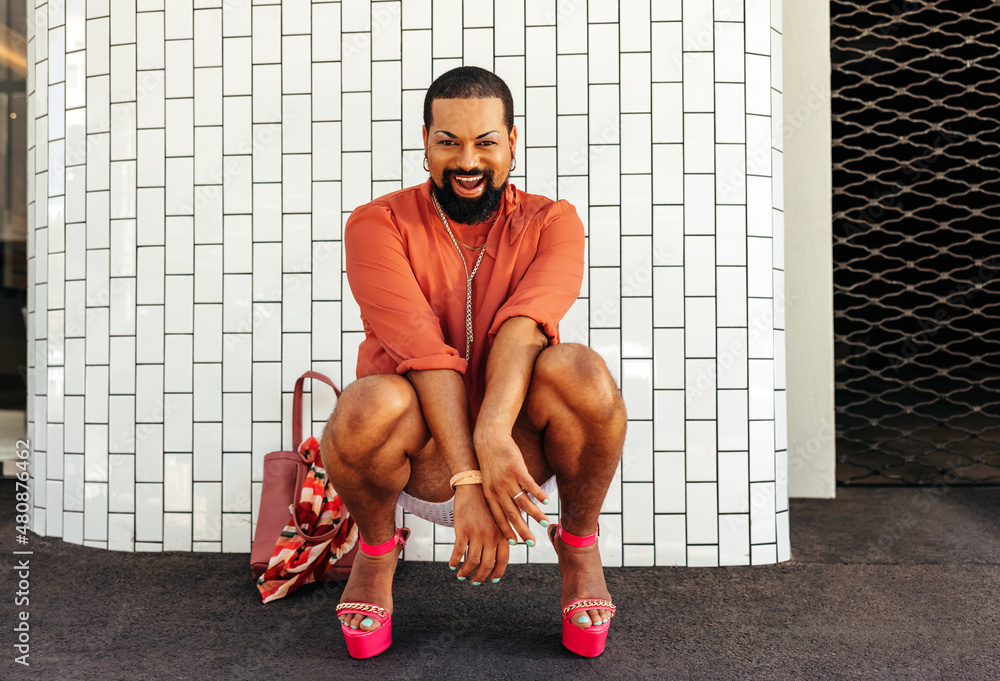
530, 542
543, 523
496, 579
511, 541
461, 579
353, 626
584, 620
367, 622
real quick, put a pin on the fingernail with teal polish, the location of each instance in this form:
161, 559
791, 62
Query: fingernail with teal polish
543, 523
461, 579
584, 620
530, 542
476, 583
545, 501
496, 579
452, 568
367, 622
511, 541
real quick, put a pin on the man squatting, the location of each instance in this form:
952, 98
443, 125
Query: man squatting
467, 410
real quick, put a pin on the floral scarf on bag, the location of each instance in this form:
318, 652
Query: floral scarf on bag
295, 560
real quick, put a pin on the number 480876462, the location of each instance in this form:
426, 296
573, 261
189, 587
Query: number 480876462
22, 497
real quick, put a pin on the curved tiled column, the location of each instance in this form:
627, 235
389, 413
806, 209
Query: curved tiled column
190, 170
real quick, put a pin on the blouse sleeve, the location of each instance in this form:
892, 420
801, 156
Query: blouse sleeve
552, 281
390, 299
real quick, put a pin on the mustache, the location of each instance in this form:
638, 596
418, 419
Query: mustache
447, 173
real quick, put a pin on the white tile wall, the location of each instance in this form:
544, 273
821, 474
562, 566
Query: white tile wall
190, 173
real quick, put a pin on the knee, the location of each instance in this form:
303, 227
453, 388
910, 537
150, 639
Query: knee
368, 411
579, 378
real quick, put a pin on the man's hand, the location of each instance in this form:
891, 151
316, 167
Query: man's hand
508, 374
505, 477
478, 537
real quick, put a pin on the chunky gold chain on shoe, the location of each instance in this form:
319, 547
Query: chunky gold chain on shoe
591, 604
377, 610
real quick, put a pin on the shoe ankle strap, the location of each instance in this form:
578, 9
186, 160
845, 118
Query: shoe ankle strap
576, 540
386, 547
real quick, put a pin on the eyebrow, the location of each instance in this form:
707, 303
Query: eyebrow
454, 136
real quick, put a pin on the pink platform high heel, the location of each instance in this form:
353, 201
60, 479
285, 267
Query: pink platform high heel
588, 642
364, 644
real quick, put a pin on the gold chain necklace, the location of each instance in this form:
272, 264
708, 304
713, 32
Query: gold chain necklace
472, 248
468, 276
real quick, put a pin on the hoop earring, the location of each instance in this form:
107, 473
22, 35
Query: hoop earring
513, 163
426, 166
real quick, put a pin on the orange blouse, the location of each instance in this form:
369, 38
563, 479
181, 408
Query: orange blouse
406, 276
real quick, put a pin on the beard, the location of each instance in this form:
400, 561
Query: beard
465, 210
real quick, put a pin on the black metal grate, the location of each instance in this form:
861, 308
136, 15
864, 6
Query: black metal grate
916, 202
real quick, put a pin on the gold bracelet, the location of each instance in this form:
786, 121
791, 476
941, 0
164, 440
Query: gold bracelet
471, 477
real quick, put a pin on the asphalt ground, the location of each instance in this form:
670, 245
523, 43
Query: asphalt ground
884, 583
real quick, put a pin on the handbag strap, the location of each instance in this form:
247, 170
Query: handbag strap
297, 405
302, 471
300, 479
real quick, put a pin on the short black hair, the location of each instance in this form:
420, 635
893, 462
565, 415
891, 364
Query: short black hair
469, 82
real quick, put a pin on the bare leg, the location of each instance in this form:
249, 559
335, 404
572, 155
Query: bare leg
365, 449
573, 424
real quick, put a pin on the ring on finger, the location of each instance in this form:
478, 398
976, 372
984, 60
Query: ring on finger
517, 495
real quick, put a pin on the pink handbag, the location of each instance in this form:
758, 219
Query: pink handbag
284, 476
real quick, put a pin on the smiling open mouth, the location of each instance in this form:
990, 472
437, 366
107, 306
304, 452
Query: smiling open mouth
467, 184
